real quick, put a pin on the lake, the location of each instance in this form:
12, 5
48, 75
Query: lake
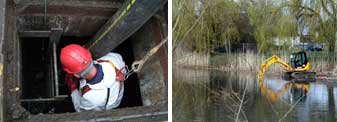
204, 95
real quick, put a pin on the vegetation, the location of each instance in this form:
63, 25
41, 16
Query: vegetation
206, 26
250, 62
203, 25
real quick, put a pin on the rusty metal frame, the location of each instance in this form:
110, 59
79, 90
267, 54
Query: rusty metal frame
54, 37
34, 33
2, 37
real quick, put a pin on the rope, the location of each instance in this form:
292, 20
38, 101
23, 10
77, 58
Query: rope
138, 65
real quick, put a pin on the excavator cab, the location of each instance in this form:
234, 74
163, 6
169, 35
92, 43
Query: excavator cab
298, 60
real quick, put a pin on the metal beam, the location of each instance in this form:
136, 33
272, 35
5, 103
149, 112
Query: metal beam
124, 23
54, 38
73, 25
11, 67
67, 7
50, 10
2, 35
113, 4
55, 35
134, 114
44, 99
34, 34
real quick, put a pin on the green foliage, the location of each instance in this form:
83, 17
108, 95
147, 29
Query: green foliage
270, 21
213, 26
319, 16
218, 22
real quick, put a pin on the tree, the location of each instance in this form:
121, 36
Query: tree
270, 22
318, 17
213, 24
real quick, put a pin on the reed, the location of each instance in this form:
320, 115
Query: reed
321, 62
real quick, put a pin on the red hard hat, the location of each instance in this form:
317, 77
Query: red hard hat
74, 58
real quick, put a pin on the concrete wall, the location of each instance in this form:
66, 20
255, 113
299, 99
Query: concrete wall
71, 15
136, 114
153, 76
11, 84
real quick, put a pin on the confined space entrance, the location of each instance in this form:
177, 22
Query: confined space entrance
43, 89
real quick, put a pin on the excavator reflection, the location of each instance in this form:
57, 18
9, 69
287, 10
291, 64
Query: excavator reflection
298, 91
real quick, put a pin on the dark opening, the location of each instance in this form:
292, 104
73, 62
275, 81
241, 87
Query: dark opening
37, 94
132, 96
34, 53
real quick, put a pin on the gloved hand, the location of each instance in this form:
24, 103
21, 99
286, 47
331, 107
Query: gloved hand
72, 82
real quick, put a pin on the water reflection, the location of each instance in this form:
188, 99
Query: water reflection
215, 96
275, 89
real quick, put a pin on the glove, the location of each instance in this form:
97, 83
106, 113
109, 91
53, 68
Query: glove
72, 82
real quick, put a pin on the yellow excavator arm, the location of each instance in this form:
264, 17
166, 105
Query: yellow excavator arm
274, 59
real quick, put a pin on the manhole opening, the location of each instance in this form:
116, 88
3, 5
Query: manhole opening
44, 91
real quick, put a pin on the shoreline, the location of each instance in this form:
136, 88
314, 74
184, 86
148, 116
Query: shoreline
319, 75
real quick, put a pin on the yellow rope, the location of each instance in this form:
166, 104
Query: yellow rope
137, 65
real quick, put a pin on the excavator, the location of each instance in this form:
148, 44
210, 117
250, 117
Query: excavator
297, 70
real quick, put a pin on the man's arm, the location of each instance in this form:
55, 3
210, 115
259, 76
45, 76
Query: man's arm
76, 98
72, 84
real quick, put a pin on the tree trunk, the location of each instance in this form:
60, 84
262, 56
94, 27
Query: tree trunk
331, 44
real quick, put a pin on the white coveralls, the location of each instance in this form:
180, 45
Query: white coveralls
95, 98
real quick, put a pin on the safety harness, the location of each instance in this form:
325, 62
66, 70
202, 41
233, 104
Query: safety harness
119, 77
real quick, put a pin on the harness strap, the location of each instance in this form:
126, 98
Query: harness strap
107, 98
119, 74
85, 89
119, 77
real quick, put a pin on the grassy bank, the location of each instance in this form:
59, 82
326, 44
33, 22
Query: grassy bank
251, 61
321, 62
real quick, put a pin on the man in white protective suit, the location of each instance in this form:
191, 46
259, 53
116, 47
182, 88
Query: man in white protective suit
94, 85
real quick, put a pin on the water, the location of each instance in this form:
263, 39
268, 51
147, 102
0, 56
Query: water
200, 95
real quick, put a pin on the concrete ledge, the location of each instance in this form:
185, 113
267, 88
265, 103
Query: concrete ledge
143, 113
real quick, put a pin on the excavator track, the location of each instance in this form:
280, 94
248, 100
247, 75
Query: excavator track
300, 76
